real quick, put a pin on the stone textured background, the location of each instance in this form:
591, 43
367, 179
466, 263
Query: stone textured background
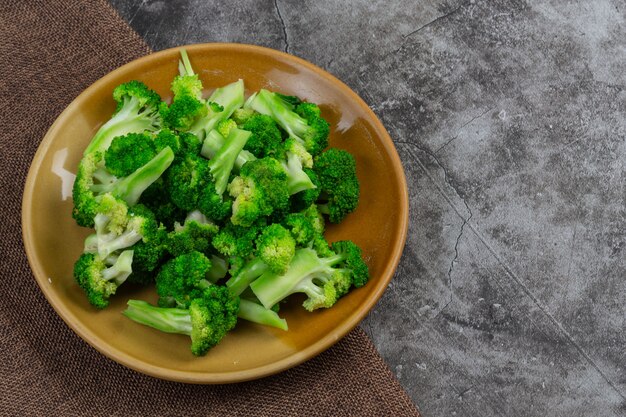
510, 119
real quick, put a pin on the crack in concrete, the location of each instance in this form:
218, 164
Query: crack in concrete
544, 309
419, 29
282, 23
463, 127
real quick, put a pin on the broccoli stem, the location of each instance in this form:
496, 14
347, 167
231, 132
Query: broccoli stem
219, 268
129, 119
121, 269
212, 144
131, 187
251, 271
306, 267
256, 313
222, 163
169, 320
230, 97
271, 104
297, 179
184, 66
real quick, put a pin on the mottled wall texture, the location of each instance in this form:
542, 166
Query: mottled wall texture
510, 118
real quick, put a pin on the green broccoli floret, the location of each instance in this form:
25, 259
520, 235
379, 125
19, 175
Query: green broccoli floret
237, 241
295, 158
220, 105
138, 109
315, 217
215, 141
300, 227
336, 170
99, 280
130, 152
302, 122
322, 279
259, 190
182, 279
157, 199
266, 138
186, 179
221, 164
93, 180
211, 315
140, 225
256, 313
195, 234
305, 198
241, 116
276, 247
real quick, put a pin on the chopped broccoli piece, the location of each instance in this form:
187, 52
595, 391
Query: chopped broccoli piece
100, 281
276, 247
211, 315
322, 279
195, 234
215, 141
182, 279
266, 138
336, 170
256, 313
246, 275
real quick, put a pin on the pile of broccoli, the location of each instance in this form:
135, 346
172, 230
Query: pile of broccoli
218, 202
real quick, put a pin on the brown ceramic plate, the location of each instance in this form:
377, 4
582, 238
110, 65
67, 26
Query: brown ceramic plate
53, 241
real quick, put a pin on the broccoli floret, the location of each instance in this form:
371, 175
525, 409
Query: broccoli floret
266, 138
237, 241
295, 158
130, 152
157, 199
182, 279
93, 180
115, 234
220, 105
211, 315
100, 281
300, 227
241, 116
256, 313
336, 170
259, 190
315, 217
215, 141
138, 109
221, 164
186, 179
302, 122
305, 198
276, 247
195, 234
322, 279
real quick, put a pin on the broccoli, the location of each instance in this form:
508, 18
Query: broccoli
259, 190
275, 246
140, 225
336, 171
237, 241
246, 275
195, 234
300, 227
181, 279
266, 138
93, 180
187, 179
215, 141
211, 315
303, 122
220, 105
256, 313
295, 158
322, 279
128, 153
304, 198
221, 164
157, 199
241, 116
138, 109
99, 280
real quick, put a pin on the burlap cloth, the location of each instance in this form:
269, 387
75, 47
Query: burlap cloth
49, 52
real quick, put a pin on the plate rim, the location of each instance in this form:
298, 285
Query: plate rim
275, 367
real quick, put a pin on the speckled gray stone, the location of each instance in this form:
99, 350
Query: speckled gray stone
510, 119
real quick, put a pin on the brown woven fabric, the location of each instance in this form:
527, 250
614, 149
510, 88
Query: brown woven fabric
49, 52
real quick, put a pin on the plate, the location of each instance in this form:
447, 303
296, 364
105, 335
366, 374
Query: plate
53, 241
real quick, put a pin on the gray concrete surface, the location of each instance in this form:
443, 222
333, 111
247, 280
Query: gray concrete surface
509, 117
